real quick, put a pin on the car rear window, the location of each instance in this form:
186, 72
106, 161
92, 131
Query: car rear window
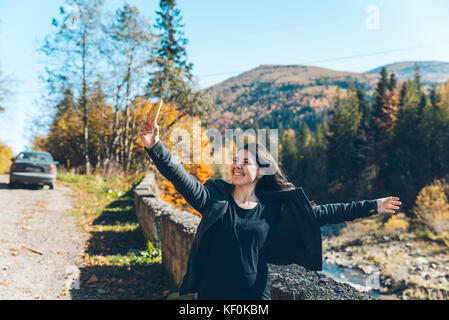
34, 156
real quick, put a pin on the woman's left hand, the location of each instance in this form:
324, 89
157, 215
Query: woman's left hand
388, 204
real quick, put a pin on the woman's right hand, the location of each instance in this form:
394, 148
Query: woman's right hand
149, 138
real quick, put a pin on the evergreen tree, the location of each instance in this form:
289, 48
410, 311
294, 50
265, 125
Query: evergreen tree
417, 77
344, 168
365, 148
317, 174
393, 82
289, 155
384, 116
434, 96
304, 143
172, 79
404, 167
436, 130
172, 42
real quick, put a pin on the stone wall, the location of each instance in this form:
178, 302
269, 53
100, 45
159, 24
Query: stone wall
173, 230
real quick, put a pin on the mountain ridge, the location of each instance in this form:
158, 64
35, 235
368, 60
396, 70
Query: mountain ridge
281, 95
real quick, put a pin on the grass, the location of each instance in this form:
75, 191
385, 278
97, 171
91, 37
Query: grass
118, 263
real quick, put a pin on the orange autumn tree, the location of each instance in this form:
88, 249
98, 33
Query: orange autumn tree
5, 155
202, 171
39, 143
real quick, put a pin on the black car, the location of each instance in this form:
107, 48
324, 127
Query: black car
33, 167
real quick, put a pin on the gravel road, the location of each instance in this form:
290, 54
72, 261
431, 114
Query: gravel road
40, 244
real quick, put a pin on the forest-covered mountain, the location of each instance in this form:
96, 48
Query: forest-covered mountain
431, 71
279, 96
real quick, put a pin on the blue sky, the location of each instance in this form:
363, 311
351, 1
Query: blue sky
230, 37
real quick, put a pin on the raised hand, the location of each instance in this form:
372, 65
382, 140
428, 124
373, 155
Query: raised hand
149, 133
388, 204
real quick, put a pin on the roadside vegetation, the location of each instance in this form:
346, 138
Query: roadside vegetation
118, 263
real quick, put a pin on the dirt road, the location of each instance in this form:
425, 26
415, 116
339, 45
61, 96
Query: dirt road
40, 244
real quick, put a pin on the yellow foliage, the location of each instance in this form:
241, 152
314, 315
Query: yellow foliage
5, 155
444, 93
432, 206
202, 171
39, 143
397, 223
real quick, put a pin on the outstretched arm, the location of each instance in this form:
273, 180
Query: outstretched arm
334, 213
195, 193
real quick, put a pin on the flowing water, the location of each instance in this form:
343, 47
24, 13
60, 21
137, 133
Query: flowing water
356, 278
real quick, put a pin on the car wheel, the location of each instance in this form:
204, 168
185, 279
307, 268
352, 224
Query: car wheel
11, 185
52, 186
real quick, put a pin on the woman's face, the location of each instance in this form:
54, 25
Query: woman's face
244, 169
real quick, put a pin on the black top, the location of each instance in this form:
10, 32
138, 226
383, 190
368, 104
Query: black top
232, 256
297, 238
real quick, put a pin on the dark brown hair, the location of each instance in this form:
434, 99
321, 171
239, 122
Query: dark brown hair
269, 182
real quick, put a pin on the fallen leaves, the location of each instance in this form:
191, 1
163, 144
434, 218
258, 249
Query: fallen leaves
93, 279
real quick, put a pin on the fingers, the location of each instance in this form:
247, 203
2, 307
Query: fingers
394, 200
392, 203
147, 128
143, 131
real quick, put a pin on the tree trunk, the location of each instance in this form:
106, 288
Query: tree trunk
84, 105
128, 92
116, 130
131, 145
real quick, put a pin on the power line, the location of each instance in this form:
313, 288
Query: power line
378, 53
343, 58
311, 22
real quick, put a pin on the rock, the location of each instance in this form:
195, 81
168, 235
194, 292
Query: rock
421, 260
425, 275
292, 282
419, 268
409, 245
370, 269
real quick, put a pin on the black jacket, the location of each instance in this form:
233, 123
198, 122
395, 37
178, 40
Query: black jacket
297, 238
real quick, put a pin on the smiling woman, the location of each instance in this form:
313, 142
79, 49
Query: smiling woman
257, 219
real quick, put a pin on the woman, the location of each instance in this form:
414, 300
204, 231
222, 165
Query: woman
257, 219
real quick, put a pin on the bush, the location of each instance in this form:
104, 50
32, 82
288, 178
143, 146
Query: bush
397, 224
5, 156
432, 206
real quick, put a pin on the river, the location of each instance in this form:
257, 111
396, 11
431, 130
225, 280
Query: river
369, 284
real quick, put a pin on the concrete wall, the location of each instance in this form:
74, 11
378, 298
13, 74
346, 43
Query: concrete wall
173, 230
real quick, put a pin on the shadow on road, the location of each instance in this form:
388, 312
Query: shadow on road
21, 186
105, 275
